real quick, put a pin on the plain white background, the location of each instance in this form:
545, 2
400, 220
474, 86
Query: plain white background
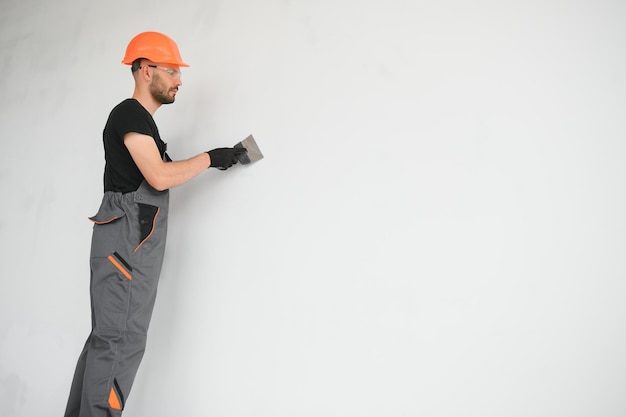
437, 228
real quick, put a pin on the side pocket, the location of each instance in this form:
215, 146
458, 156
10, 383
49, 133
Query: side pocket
111, 287
107, 228
147, 220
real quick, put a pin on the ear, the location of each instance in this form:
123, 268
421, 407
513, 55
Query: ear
144, 73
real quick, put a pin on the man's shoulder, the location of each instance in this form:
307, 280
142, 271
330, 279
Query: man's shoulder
130, 104
130, 111
130, 116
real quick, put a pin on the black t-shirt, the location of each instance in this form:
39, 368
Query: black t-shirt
120, 172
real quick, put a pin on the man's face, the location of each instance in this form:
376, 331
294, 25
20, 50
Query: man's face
165, 83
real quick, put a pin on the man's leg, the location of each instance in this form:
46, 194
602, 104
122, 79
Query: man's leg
76, 392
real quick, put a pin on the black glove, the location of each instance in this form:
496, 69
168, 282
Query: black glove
224, 158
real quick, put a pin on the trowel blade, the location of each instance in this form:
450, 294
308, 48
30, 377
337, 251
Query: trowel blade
254, 153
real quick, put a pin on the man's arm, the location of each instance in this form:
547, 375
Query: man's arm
159, 174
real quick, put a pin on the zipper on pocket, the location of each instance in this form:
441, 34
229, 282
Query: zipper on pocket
123, 266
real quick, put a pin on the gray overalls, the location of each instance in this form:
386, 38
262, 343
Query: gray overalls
127, 250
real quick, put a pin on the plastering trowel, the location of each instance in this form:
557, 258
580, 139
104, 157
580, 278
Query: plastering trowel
254, 153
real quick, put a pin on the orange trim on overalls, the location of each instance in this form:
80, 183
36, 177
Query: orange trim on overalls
120, 267
114, 401
103, 222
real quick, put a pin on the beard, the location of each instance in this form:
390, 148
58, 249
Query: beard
160, 93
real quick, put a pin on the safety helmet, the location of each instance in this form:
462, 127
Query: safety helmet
154, 46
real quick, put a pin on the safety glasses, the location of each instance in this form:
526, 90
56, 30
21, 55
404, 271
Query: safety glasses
170, 71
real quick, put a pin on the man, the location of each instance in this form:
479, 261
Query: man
130, 227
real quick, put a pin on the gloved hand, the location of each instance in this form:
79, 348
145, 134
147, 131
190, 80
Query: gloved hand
224, 158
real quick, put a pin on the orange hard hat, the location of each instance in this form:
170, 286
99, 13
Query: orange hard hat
154, 46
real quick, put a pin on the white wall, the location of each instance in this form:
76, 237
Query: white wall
437, 228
